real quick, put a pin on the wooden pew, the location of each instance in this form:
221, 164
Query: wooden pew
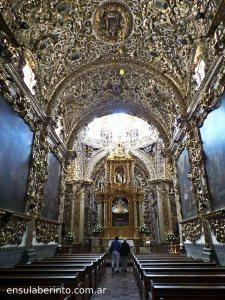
151, 279
91, 266
101, 257
86, 272
187, 291
166, 270
172, 270
176, 263
57, 270
168, 259
97, 264
98, 261
164, 267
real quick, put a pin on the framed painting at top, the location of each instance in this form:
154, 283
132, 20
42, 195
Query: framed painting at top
16, 140
213, 141
188, 204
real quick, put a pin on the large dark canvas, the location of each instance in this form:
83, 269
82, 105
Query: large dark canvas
213, 140
187, 197
52, 188
16, 140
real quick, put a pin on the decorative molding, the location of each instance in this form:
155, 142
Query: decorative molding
197, 169
12, 227
38, 171
216, 221
192, 229
46, 230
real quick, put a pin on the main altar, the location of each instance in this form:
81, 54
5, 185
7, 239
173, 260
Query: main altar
120, 201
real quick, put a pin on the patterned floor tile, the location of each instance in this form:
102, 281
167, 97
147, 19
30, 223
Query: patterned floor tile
121, 286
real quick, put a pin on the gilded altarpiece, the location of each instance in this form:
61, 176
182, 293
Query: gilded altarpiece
120, 200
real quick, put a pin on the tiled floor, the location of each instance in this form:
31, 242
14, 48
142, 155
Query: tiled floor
120, 286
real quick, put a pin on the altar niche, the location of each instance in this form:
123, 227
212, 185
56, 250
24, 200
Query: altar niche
120, 212
119, 175
120, 200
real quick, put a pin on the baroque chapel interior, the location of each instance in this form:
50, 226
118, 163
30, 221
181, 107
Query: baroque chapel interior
112, 124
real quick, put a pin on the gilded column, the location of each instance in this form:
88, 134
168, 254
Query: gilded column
160, 213
105, 215
199, 180
81, 223
135, 214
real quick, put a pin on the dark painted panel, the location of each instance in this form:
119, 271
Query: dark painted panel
52, 188
213, 140
16, 140
187, 198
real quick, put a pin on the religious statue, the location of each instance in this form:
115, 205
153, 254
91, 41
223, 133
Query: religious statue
28, 69
119, 178
120, 207
101, 183
199, 73
200, 67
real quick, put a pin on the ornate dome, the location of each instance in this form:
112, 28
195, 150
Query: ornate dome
118, 128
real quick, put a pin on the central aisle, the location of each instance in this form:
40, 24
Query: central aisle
120, 286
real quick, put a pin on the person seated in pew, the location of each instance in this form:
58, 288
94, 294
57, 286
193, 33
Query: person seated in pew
114, 250
124, 252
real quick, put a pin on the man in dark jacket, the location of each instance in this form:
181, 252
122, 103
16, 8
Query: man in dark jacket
114, 250
124, 252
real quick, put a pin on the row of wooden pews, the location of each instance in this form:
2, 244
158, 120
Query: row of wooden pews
79, 271
170, 277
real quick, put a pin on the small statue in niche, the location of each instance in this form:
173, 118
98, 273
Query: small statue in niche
119, 177
101, 183
199, 73
200, 67
29, 76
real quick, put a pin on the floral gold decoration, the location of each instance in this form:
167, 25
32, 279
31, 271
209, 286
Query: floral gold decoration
70, 237
46, 231
12, 228
192, 230
216, 221
170, 237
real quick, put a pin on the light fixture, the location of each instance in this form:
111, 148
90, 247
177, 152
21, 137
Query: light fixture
122, 72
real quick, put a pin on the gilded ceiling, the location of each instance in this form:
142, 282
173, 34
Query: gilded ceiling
80, 46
